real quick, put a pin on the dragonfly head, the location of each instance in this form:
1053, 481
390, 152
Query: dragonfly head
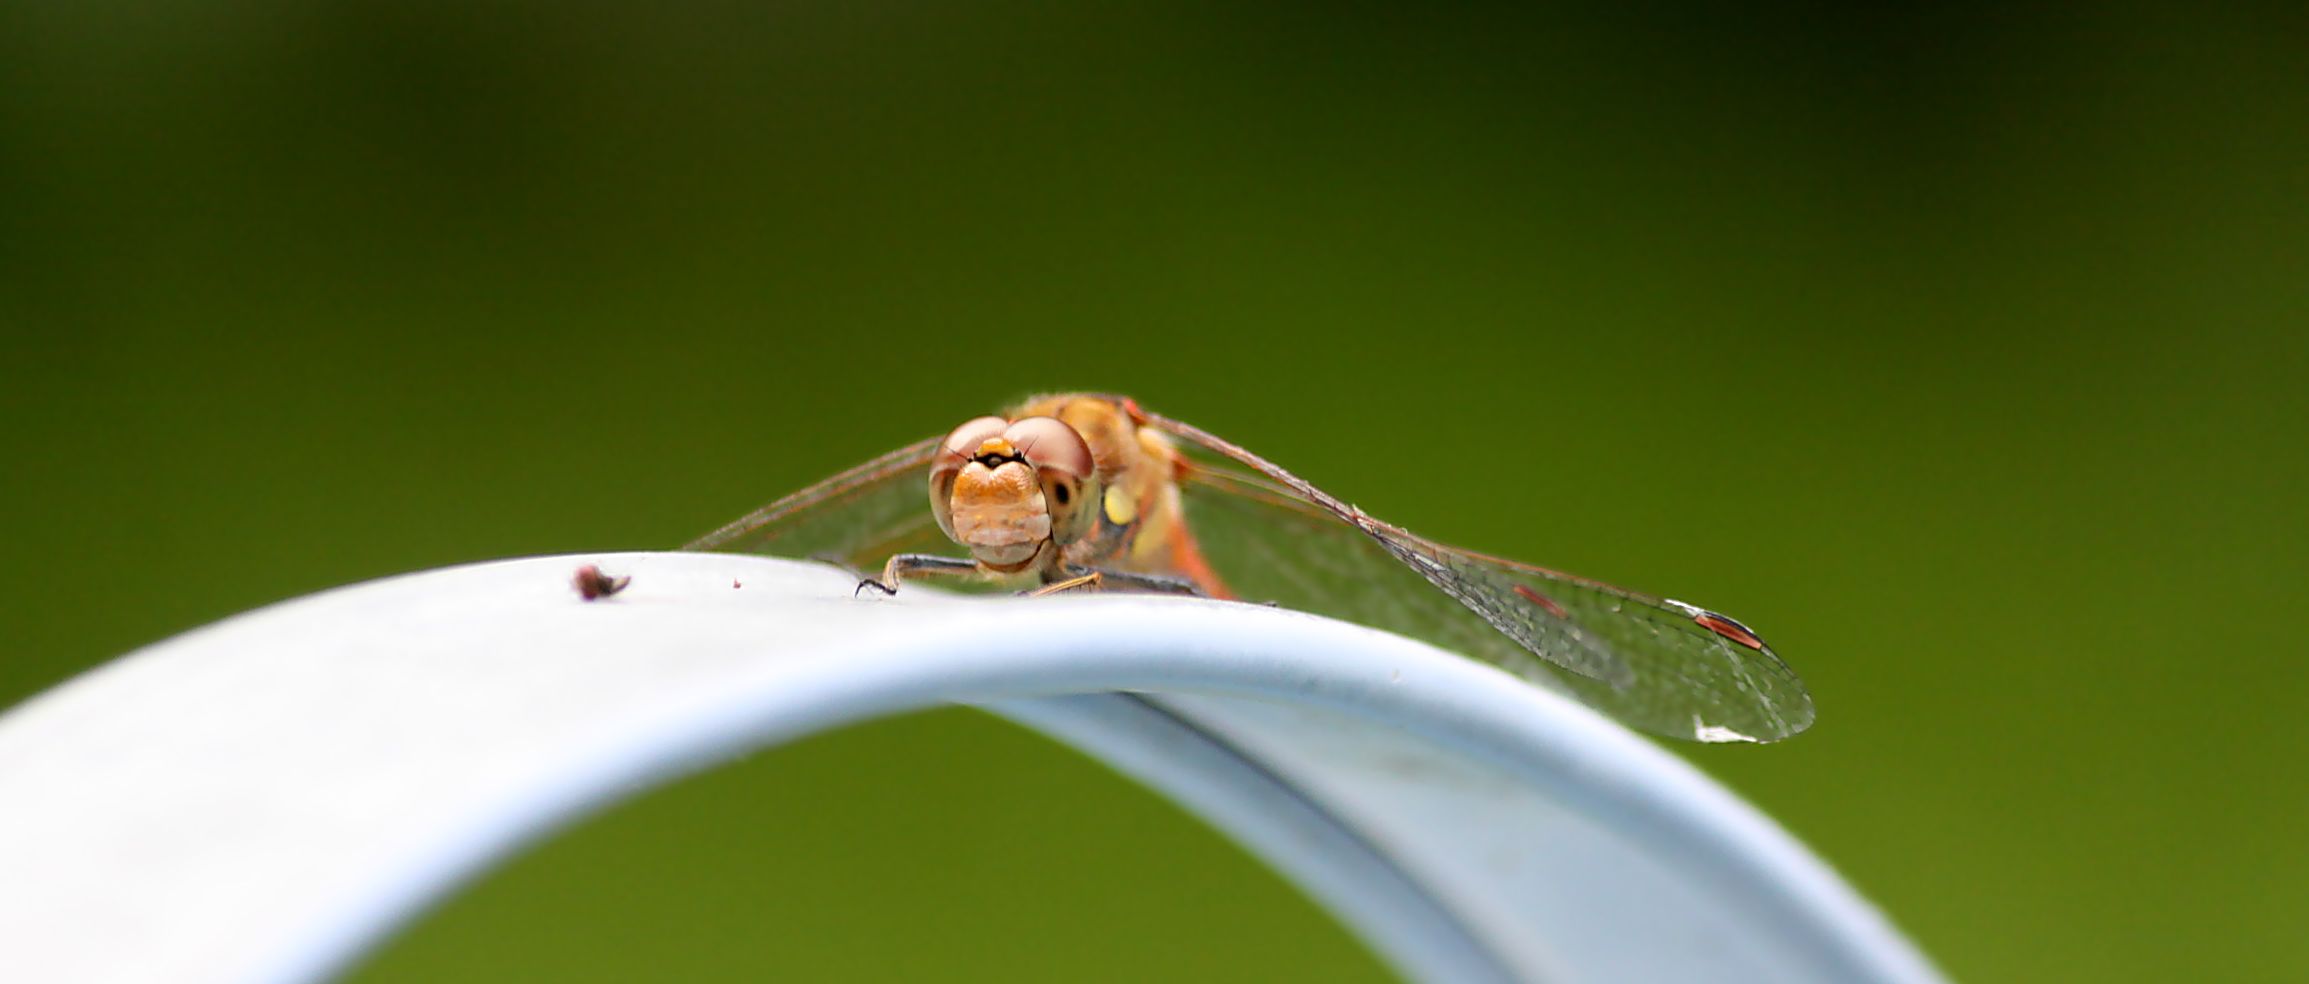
1014, 492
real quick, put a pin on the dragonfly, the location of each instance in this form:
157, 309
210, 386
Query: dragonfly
1087, 491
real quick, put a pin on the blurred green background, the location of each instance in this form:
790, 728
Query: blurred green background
1962, 353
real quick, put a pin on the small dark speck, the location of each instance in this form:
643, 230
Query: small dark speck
735, 585
593, 585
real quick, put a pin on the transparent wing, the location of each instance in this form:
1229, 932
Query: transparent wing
1652, 663
857, 518
1656, 664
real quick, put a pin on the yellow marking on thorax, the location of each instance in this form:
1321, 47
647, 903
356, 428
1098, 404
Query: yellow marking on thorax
1121, 505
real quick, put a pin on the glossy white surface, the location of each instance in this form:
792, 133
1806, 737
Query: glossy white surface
265, 798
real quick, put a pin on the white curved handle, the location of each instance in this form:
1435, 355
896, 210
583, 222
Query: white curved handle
265, 798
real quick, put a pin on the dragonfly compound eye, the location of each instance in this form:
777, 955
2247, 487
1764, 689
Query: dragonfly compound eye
1064, 466
1049, 444
963, 443
953, 453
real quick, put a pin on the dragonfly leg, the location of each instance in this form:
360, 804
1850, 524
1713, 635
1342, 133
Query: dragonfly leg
1154, 583
1085, 580
1124, 580
903, 565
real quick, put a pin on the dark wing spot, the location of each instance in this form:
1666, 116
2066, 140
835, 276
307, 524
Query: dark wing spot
1542, 601
1723, 625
